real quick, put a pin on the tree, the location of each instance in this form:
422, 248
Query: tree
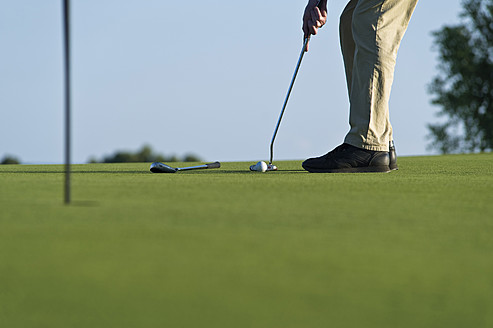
145, 154
8, 159
191, 158
464, 86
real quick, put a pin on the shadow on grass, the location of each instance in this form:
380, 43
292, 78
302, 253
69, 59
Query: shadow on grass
246, 172
83, 203
76, 172
111, 172
134, 172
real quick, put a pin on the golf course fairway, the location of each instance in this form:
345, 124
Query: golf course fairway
232, 248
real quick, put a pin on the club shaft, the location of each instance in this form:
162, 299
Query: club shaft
66, 44
198, 167
191, 168
303, 50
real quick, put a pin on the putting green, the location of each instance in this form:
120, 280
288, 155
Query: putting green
232, 248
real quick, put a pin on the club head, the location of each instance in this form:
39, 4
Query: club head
158, 167
271, 167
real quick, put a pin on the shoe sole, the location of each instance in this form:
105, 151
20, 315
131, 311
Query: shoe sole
367, 169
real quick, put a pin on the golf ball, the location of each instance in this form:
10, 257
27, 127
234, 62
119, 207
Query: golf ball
259, 167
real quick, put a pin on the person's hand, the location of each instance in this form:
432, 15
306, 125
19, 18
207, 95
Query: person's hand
314, 18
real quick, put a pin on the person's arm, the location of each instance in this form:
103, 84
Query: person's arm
314, 17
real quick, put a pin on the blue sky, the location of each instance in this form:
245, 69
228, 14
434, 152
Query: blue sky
202, 77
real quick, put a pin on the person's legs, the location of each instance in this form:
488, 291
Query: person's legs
371, 32
347, 41
377, 28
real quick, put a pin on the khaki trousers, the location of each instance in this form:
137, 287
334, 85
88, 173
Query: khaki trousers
371, 32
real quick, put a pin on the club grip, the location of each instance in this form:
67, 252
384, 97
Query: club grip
214, 165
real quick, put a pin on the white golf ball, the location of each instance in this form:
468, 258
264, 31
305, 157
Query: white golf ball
259, 167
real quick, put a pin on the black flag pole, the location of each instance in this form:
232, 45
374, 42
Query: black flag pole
66, 39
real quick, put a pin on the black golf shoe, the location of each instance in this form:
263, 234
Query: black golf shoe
392, 157
349, 159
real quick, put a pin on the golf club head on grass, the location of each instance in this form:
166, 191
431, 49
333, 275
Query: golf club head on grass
158, 167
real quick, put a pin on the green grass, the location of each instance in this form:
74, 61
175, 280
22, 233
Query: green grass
232, 248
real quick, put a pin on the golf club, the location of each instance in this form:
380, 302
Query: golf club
303, 50
158, 167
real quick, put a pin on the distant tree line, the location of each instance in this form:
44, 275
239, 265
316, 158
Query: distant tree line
145, 154
9, 159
